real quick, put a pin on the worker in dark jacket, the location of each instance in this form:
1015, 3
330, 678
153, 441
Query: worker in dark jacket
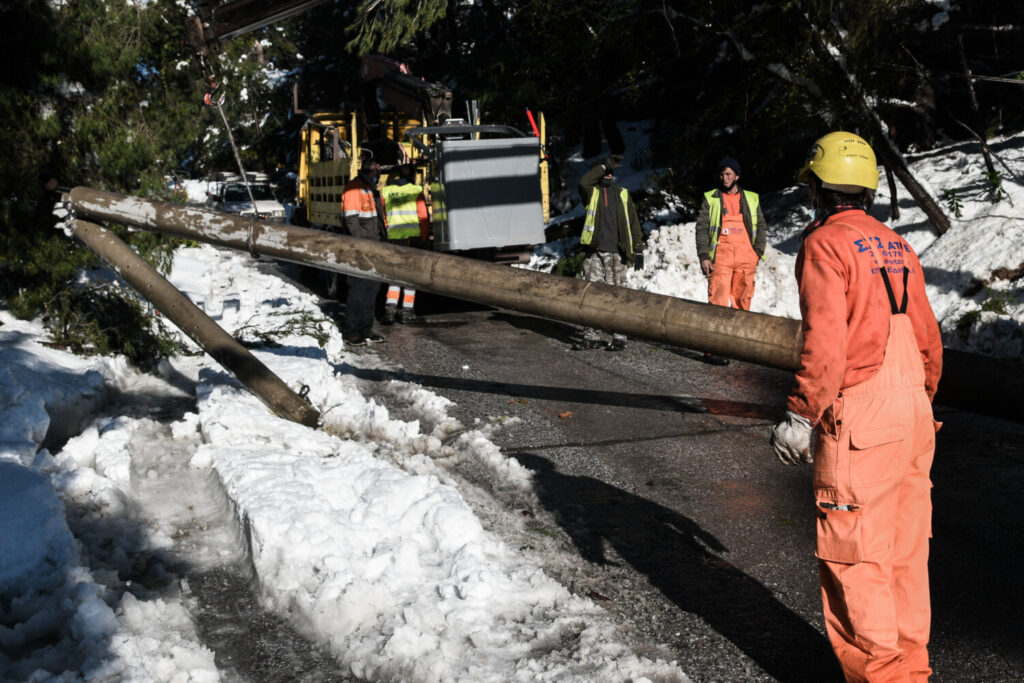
363, 211
612, 236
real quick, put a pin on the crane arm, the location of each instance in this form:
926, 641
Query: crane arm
406, 92
216, 21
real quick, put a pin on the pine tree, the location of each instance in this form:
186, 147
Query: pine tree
102, 103
384, 25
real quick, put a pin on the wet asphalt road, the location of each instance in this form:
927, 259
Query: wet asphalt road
656, 471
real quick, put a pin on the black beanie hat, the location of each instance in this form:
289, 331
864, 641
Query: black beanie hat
729, 162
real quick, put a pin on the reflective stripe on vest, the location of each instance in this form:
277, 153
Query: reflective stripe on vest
357, 200
715, 218
400, 203
591, 220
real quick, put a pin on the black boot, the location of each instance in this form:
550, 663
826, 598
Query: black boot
586, 344
405, 316
616, 345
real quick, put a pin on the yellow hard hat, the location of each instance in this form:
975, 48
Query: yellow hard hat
843, 161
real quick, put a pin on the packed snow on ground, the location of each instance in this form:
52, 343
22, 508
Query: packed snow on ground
355, 531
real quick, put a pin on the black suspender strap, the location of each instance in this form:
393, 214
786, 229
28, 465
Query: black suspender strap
902, 308
906, 277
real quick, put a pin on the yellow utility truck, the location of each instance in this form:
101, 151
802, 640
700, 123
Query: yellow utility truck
486, 185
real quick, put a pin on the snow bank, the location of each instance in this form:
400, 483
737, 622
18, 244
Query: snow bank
47, 593
353, 530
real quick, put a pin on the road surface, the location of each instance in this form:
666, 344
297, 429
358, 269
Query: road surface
655, 477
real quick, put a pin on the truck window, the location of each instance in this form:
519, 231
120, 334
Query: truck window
262, 192
237, 193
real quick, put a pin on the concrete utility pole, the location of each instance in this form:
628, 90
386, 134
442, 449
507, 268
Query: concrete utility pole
270, 388
754, 337
971, 382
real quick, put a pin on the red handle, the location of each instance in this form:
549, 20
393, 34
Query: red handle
533, 124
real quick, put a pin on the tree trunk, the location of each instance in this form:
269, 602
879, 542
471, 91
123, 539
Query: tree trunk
931, 209
616, 145
894, 206
591, 137
989, 166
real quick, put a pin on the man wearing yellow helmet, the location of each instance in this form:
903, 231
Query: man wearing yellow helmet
869, 367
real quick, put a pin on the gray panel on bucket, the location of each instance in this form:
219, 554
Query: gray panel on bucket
488, 194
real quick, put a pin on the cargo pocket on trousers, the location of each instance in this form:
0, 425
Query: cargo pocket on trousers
839, 533
874, 455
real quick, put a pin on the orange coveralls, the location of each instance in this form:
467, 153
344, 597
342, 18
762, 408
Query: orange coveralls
735, 259
870, 365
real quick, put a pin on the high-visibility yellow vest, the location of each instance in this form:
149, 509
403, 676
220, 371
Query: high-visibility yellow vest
591, 220
715, 217
400, 203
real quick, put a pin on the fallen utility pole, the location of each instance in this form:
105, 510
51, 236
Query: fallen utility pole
970, 382
270, 388
754, 337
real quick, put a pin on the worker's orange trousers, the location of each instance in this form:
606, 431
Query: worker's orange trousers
732, 274
873, 454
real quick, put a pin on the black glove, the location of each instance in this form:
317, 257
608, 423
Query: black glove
638, 261
613, 162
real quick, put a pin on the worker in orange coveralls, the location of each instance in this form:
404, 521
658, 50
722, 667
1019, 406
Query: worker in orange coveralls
869, 368
730, 238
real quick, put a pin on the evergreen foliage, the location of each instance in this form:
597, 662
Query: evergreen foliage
385, 25
249, 73
104, 319
103, 102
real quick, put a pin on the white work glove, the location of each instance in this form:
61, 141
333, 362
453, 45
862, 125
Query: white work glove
791, 439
